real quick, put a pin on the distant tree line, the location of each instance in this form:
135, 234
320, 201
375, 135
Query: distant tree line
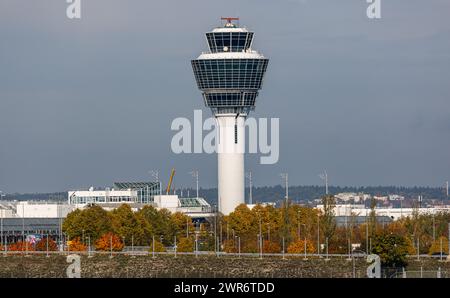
276, 193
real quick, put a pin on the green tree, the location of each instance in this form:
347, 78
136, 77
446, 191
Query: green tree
182, 224
159, 247
185, 244
93, 221
391, 248
328, 221
127, 225
158, 223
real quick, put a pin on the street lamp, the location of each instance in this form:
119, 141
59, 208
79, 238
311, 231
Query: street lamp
195, 174
285, 177
155, 175
249, 176
318, 235
324, 177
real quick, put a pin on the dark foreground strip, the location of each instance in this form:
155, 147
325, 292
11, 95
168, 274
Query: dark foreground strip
238, 287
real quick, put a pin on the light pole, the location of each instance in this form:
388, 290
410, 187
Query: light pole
304, 242
215, 229
89, 246
196, 245
285, 176
110, 246
175, 246
260, 236
155, 174
47, 247
367, 236
187, 227
195, 174
318, 235
153, 246
434, 230
250, 184
1, 226
324, 177
298, 224
239, 246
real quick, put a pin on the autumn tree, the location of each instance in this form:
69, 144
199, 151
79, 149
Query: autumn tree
391, 248
159, 224
183, 224
126, 224
440, 245
185, 244
328, 221
43, 245
230, 246
250, 246
93, 221
109, 241
77, 245
298, 246
21, 246
243, 221
271, 247
159, 247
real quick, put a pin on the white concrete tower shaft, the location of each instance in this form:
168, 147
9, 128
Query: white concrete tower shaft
231, 170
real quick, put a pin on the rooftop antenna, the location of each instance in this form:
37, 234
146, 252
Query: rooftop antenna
229, 19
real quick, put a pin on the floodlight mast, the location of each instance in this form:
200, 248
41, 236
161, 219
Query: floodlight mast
230, 76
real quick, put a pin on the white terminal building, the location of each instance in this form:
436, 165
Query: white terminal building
135, 194
393, 213
230, 76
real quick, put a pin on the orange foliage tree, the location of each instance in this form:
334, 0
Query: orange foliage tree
109, 241
436, 246
249, 246
21, 246
271, 247
77, 245
298, 247
42, 245
230, 246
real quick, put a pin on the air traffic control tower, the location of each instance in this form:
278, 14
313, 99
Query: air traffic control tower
230, 75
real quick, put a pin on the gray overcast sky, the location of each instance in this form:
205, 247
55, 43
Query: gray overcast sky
90, 102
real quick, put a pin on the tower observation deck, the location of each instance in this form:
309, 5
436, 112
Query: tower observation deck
230, 75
